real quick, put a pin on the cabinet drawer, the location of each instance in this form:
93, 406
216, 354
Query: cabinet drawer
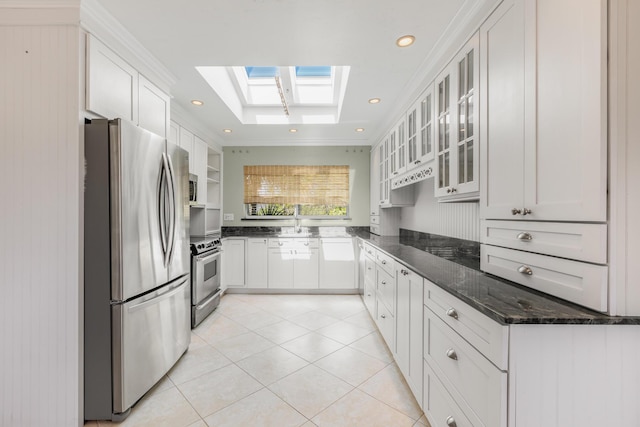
369, 298
438, 405
583, 242
374, 219
487, 335
474, 382
386, 288
375, 229
370, 251
386, 324
386, 263
277, 242
369, 271
578, 282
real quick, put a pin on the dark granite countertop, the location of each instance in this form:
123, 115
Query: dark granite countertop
454, 265
499, 299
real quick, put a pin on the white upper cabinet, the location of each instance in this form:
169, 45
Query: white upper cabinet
400, 157
114, 89
153, 107
457, 172
186, 141
544, 112
375, 182
112, 84
420, 128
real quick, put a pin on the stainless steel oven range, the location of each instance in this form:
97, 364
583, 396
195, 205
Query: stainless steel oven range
205, 277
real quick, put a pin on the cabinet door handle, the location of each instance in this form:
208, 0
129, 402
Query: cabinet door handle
306, 244
515, 211
451, 422
452, 313
404, 272
280, 243
525, 236
368, 295
384, 262
384, 282
525, 269
526, 212
451, 354
448, 191
383, 316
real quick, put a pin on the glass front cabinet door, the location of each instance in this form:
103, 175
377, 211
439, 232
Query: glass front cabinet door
456, 120
420, 130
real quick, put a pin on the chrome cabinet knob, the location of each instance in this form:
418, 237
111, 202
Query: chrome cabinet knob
451, 354
515, 211
452, 313
384, 262
524, 269
383, 316
448, 191
526, 212
451, 422
280, 243
384, 282
404, 272
524, 236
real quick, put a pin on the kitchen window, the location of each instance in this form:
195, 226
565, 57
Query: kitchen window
282, 192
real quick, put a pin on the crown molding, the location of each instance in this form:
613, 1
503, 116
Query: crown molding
95, 19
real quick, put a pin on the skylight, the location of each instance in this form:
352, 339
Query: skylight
318, 71
280, 94
262, 72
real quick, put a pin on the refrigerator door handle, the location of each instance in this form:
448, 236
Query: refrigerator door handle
162, 208
171, 185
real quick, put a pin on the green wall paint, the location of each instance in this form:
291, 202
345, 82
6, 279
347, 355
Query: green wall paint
356, 157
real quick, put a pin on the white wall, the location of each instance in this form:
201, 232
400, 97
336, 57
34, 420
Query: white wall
237, 157
40, 223
460, 220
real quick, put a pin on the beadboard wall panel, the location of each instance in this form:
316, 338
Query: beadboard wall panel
460, 220
574, 375
40, 248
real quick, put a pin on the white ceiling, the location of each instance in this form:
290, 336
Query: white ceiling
358, 33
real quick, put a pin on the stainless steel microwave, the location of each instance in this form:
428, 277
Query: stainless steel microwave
193, 189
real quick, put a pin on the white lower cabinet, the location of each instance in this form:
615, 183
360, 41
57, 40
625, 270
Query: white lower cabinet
233, 263
386, 324
438, 405
479, 387
409, 326
257, 263
293, 263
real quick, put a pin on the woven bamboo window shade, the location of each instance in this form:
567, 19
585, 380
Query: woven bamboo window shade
297, 185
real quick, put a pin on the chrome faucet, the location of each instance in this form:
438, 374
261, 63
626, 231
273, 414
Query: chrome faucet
296, 225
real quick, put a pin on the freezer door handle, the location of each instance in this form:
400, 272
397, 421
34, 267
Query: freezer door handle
168, 293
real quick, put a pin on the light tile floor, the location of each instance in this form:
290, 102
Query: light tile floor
282, 360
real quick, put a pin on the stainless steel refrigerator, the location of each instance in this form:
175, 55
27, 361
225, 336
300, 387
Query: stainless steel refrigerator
136, 264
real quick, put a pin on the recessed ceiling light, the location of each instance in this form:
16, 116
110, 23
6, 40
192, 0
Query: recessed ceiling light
359, 129
293, 130
227, 130
374, 100
197, 102
405, 41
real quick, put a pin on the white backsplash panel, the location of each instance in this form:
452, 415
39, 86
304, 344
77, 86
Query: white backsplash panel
460, 220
